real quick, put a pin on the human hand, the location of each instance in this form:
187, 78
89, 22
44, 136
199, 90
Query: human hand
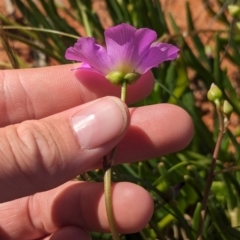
39, 151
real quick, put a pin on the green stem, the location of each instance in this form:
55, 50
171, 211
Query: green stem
211, 174
108, 180
124, 91
108, 203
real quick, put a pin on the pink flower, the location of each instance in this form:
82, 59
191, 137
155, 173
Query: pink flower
128, 51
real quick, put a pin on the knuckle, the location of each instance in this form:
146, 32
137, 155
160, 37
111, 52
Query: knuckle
15, 101
39, 145
32, 154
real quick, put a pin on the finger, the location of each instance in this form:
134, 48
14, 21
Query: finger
40, 92
39, 155
154, 131
71, 232
78, 204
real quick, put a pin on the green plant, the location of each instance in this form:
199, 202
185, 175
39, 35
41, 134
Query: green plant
176, 216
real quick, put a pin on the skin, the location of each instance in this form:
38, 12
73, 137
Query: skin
38, 198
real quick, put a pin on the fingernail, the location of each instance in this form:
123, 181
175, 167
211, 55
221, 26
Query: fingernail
99, 122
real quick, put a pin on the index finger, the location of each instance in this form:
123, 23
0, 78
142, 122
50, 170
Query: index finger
40, 92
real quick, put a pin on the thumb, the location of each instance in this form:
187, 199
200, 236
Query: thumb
38, 155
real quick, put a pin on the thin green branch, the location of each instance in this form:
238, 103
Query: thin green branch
41, 30
9, 50
230, 169
169, 37
211, 174
35, 46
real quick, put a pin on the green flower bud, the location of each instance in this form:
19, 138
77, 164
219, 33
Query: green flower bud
162, 168
238, 25
227, 108
234, 10
208, 50
131, 77
163, 185
115, 77
214, 93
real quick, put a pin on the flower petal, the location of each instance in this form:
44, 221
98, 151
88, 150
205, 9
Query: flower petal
125, 44
86, 66
86, 50
158, 53
143, 40
119, 43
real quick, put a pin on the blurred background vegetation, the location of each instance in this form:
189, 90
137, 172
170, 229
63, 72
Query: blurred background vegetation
37, 33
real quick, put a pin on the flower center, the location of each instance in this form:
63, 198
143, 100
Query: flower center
123, 72
125, 68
